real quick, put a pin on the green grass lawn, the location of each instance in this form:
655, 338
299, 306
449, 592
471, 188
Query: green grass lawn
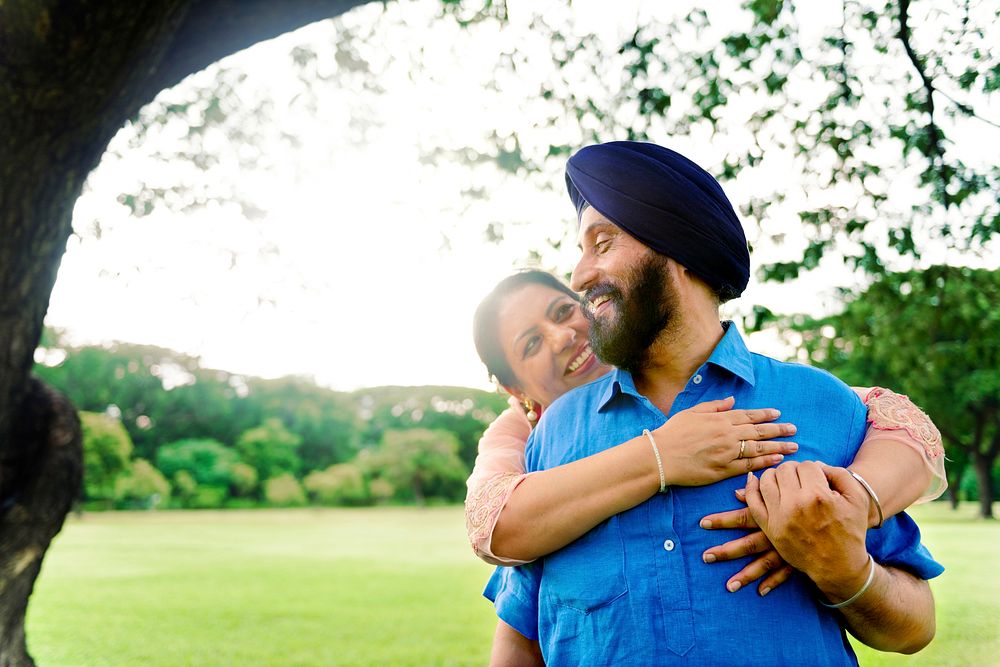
356, 587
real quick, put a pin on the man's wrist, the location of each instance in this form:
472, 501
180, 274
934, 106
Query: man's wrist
846, 582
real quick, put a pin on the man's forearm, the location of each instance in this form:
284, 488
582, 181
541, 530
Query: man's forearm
512, 649
896, 613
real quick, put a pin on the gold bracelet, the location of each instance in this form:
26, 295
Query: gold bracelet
659, 461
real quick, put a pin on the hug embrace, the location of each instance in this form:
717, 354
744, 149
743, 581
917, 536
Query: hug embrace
618, 493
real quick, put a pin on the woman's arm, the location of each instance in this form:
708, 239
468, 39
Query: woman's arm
498, 471
517, 518
901, 458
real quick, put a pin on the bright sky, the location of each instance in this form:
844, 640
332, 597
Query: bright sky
367, 264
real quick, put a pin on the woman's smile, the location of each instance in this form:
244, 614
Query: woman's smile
582, 362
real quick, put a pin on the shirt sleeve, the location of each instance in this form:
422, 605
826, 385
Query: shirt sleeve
893, 417
897, 543
514, 594
498, 471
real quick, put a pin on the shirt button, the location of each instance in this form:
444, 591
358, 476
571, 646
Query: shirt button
668, 545
696, 379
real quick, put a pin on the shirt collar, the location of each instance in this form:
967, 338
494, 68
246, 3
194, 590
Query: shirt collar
731, 354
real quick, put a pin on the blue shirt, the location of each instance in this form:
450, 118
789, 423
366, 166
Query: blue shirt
634, 590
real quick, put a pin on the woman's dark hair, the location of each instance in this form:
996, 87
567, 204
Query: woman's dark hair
485, 327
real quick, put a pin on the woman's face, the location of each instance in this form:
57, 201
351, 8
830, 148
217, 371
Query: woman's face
544, 337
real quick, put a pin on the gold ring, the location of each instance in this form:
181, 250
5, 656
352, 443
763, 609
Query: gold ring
743, 448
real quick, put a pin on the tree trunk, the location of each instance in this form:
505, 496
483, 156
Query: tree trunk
953, 498
40, 477
982, 464
71, 73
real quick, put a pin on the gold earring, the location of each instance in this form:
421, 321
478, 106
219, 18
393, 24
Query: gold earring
529, 407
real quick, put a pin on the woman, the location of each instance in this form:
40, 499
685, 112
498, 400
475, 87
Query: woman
532, 337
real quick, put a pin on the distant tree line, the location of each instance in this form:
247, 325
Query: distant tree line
162, 431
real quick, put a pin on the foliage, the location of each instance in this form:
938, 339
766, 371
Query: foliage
186, 487
106, 451
420, 464
868, 111
340, 484
209, 462
142, 486
934, 335
270, 448
324, 420
284, 491
244, 479
163, 394
460, 411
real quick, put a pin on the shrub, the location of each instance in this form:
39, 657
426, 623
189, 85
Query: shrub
142, 486
340, 484
284, 491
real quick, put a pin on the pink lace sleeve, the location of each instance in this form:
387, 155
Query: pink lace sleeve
893, 416
499, 469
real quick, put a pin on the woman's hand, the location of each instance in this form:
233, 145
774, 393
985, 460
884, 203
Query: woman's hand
702, 444
769, 563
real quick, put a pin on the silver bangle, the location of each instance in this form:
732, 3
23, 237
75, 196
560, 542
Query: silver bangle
872, 495
867, 584
659, 461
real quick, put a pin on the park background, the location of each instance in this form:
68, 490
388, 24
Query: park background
264, 310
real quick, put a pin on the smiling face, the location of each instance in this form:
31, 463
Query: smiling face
630, 293
544, 337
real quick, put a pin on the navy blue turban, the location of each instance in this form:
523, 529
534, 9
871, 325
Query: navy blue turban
668, 203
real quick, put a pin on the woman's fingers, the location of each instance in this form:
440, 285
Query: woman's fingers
759, 432
740, 466
756, 569
754, 448
775, 579
748, 545
756, 416
740, 518
716, 406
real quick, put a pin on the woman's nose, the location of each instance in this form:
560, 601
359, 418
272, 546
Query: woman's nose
563, 337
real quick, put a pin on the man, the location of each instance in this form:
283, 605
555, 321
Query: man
662, 249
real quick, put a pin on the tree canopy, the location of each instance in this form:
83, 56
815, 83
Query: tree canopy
934, 335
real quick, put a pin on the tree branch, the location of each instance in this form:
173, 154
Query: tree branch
933, 132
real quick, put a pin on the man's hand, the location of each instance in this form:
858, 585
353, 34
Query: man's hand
816, 516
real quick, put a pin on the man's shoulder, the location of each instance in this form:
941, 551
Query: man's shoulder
815, 383
571, 413
581, 398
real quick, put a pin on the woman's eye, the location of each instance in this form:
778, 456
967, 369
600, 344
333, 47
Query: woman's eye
531, 346
564, 312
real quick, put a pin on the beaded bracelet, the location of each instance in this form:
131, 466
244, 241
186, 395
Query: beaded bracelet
868, 582
659, 461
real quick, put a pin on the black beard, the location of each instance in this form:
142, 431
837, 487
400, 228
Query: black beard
642, 314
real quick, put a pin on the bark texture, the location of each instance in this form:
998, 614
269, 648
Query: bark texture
71, 73
40, 479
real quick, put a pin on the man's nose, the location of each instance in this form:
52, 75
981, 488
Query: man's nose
583, 275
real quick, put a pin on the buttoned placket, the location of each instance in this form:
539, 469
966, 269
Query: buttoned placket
673, 586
